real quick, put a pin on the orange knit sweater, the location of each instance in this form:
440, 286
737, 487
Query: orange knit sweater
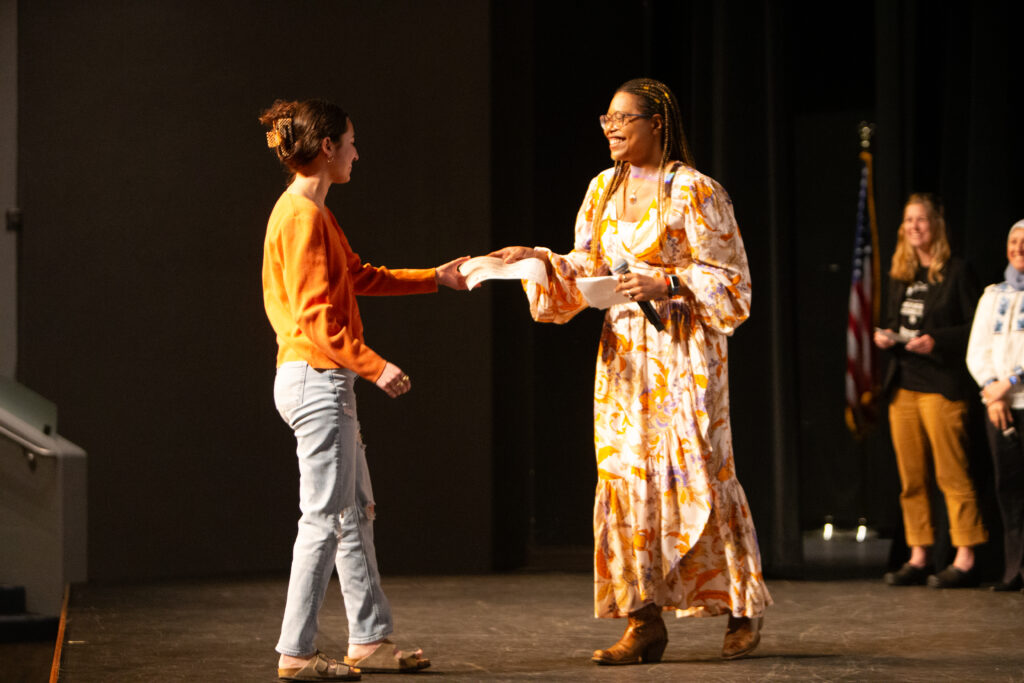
311, 278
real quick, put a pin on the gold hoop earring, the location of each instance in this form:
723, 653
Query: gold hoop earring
330, 160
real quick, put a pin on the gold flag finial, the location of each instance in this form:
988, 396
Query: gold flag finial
866, 131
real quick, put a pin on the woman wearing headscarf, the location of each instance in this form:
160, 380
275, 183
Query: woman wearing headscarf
928, 318
995, 357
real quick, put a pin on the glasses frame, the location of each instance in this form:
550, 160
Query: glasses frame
619, 119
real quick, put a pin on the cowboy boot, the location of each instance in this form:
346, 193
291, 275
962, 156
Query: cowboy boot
644, 640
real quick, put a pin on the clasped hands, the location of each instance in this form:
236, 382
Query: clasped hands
922, 344
994, 391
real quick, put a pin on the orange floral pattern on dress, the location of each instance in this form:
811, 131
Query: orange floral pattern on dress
671, 521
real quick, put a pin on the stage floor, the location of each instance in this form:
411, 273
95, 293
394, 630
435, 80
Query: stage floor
539, 627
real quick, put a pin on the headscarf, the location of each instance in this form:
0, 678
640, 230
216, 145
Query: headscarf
1014, 277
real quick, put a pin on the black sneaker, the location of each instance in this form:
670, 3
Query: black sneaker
951, 577
908, 575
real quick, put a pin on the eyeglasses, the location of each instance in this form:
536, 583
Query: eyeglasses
619, 119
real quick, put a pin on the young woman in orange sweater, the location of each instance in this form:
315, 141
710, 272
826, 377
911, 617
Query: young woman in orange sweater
311, 278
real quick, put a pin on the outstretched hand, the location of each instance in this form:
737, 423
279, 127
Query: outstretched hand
513, 254
393, 381
449, 275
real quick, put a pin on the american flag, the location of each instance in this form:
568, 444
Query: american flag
861, 360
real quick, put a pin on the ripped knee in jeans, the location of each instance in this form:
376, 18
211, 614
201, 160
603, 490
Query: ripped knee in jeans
368, 512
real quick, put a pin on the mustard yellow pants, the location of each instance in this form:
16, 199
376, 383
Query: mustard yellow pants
928, 432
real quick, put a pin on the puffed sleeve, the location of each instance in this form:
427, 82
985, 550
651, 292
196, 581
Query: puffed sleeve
560, 300
979, 345
704, 248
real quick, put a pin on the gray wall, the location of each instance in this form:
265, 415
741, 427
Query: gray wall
146, 185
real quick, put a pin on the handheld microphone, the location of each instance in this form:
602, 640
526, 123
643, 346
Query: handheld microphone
620, 268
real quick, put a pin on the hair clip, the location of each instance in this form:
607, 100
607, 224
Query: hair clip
282, 129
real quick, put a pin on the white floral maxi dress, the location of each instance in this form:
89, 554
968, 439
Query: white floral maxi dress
671, 522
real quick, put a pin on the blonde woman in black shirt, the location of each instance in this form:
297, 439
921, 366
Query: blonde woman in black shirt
927, 324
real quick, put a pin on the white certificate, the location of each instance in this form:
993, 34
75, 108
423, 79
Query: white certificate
600, 291
483, 268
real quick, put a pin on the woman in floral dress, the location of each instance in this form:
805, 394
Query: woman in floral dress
672, 528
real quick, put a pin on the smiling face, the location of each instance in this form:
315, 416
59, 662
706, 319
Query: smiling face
917, 227
342, 154
1015, 250
636, 140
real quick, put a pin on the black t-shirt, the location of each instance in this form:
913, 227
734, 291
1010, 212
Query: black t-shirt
916, 370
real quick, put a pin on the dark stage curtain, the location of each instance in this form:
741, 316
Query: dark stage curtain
736, 122
771, 95
949, 99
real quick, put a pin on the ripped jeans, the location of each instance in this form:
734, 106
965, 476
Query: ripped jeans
336, 527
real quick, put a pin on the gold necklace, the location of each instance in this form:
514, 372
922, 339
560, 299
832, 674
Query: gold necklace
632, 195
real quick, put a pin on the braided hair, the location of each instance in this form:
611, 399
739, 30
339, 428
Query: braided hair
297, 129
653, 97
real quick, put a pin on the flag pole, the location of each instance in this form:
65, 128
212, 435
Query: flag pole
866, 131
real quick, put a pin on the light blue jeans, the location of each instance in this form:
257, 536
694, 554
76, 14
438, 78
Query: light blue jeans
336, 527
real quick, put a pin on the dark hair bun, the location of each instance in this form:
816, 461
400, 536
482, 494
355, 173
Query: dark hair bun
296, 129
